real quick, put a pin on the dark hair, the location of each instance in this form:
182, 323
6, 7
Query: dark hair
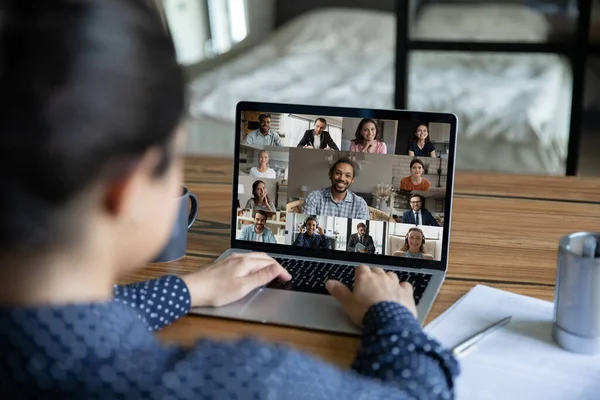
323, 120
416, 161
361, 225
86, 87
263, 116
416, 138
261, 212
311, 218
358, 137
421, 199
343, 161
255, 185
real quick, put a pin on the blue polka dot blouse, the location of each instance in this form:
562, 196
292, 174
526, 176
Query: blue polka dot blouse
107, 351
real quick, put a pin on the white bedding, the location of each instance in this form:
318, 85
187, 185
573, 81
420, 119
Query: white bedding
513, 109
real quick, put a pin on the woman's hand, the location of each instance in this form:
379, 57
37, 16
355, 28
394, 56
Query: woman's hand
371, 286
268, 203
320, 230
232, 278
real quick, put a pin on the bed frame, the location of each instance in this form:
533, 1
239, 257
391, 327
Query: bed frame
577, 49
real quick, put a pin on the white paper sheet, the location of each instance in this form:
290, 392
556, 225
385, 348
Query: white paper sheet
520, 360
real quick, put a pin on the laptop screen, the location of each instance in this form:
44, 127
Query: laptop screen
371, 186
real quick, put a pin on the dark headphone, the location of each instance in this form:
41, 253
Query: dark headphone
415, 230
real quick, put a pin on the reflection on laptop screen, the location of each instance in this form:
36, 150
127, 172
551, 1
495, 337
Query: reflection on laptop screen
326, 182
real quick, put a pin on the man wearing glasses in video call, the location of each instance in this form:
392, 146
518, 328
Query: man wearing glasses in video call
418, 215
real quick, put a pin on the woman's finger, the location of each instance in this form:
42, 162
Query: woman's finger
393, 276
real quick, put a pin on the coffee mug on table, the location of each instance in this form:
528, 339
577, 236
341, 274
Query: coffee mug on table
577, 293
177, 244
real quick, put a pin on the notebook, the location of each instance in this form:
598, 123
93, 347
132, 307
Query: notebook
360, 246
518, 361
303, 203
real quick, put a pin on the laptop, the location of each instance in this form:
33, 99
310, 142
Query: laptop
311, 182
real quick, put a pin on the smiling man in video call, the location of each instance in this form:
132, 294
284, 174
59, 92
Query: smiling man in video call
360, 242
318, 137
337, 200
264, 136
418, 215
258, 232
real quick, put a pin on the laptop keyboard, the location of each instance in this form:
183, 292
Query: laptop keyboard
310, 276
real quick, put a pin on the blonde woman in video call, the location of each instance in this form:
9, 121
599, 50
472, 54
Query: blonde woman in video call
413, 245
263, 170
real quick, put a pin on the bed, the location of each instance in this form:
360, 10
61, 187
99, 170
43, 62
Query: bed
513, 109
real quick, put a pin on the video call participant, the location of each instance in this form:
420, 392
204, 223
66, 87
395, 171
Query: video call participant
338, 200
313, 236
260, 198
413, 246
258, 232
361, 238
418, 215
263, 170
367, 138
264, 136
421, 145
415, 181
317, 137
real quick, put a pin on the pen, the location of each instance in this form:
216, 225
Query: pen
461, 348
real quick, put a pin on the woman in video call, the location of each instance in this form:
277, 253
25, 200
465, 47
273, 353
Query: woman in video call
92, 201
260, 199
421, 145
367, 138
312, 236
415, 181
413, 246
263, 170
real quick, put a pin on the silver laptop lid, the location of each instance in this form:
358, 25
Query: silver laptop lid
344, 184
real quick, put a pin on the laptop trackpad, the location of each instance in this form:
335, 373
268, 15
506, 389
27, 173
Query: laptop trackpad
306, 310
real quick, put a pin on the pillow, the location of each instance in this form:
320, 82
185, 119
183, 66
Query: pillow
481, 22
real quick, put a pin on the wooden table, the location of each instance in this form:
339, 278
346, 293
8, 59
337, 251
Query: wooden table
505, 232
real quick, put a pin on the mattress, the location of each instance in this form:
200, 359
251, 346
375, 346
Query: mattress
513, 109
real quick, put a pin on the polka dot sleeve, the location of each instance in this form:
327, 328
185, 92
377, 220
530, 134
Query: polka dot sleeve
158, 302
395, 348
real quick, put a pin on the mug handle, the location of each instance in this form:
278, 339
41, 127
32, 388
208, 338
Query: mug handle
193, 210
